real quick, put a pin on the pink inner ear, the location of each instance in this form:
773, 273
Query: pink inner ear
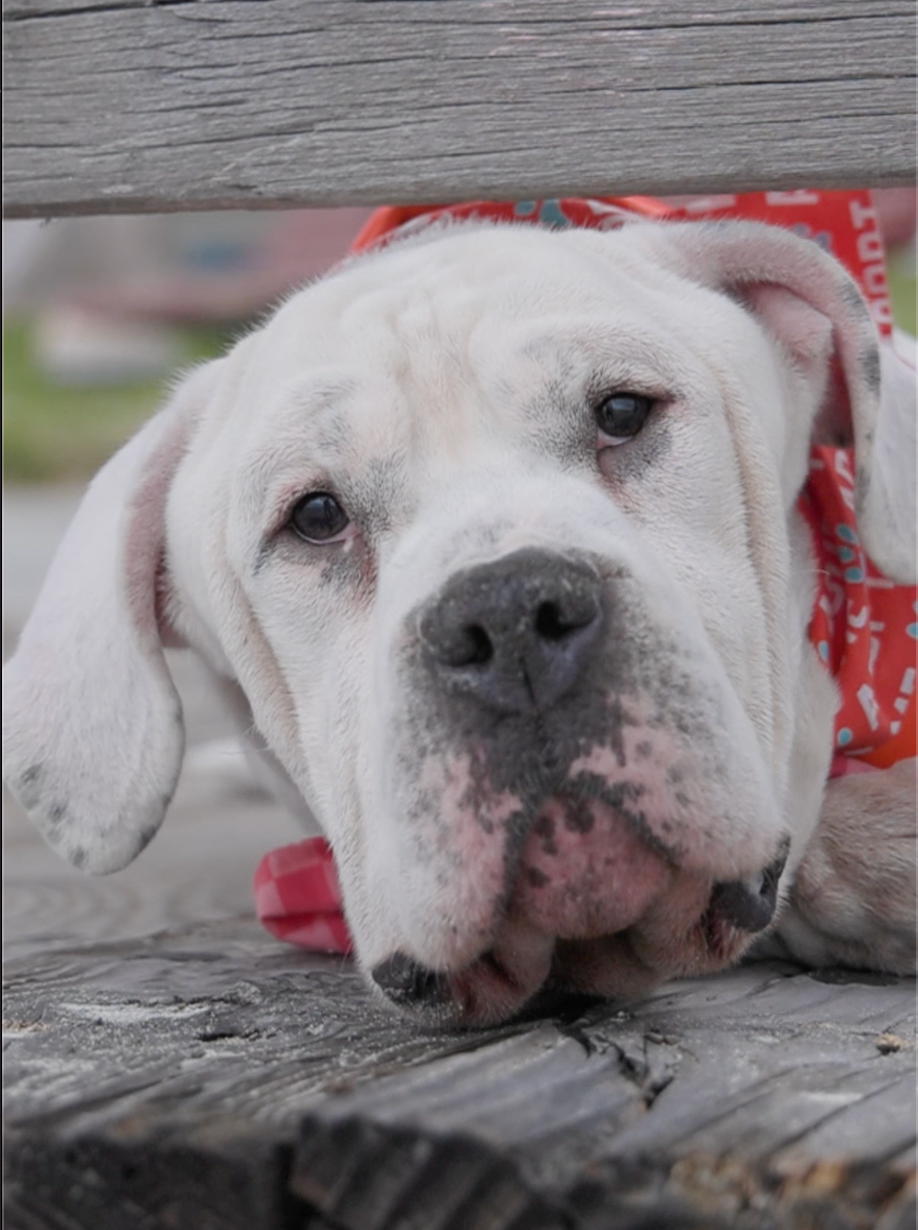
803, 330
806, 334
146, 585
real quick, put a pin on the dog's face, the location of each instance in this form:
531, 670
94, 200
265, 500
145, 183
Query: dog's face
493, 532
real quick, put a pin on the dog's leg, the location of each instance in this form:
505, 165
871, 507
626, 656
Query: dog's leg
853, 897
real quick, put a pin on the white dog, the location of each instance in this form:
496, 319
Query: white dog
492, 536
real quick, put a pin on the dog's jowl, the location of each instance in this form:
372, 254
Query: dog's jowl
505, 538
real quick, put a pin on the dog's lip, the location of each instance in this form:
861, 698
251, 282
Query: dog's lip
499, 983
495, 985
488, 989
744, 907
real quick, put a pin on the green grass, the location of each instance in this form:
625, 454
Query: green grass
903, 291
55, 432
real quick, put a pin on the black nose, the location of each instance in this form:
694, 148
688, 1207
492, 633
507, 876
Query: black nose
515, 633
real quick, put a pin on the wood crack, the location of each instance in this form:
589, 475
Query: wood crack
255, 1085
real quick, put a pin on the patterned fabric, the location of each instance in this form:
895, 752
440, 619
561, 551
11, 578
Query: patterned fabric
843, 223
863, 627
608, 213
297, 897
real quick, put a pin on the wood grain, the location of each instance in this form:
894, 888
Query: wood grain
125, 105
209, 1077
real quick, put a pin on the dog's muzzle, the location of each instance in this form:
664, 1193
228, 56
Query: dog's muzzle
515, 634
562, 790
490, 988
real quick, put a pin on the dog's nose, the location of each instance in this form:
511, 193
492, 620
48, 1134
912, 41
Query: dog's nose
517, 633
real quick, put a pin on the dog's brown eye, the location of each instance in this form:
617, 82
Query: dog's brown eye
318, 517
622, 415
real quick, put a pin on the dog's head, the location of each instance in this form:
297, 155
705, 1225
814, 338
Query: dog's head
494, 529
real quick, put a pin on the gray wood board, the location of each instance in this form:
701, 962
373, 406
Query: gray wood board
211, 1077
128, 105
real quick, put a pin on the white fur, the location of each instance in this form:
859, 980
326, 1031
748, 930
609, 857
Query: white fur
442, 388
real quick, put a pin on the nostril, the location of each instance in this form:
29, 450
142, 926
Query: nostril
551, 624
478, 647
453, 641
555, 621
515, 634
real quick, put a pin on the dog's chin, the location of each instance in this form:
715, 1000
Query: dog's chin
695, 927
525, 968
596, 905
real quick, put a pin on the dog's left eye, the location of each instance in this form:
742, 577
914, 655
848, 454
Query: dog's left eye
318, 517
622, 415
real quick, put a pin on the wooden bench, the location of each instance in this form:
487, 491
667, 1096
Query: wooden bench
127, 105
207, 1077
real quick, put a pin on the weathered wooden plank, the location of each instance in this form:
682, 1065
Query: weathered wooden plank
209, 1077
125, 105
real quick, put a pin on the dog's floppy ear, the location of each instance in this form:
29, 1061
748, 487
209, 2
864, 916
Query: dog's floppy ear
810, 304
93, 735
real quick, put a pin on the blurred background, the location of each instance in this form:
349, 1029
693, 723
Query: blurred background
98, 312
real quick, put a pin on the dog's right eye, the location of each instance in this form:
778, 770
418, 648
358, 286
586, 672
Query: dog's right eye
318, 517
620, 416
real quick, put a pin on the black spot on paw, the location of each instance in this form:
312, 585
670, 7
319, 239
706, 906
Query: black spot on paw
28, 785
852, 299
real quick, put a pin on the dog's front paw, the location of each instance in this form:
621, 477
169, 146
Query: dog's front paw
853, 896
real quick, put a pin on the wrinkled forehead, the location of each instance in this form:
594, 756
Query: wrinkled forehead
415, 310
456, 344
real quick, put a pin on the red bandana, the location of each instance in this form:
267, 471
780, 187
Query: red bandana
863, 626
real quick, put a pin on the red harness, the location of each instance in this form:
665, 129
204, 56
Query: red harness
863, 626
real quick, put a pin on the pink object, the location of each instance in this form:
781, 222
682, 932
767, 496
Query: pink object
297, 897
